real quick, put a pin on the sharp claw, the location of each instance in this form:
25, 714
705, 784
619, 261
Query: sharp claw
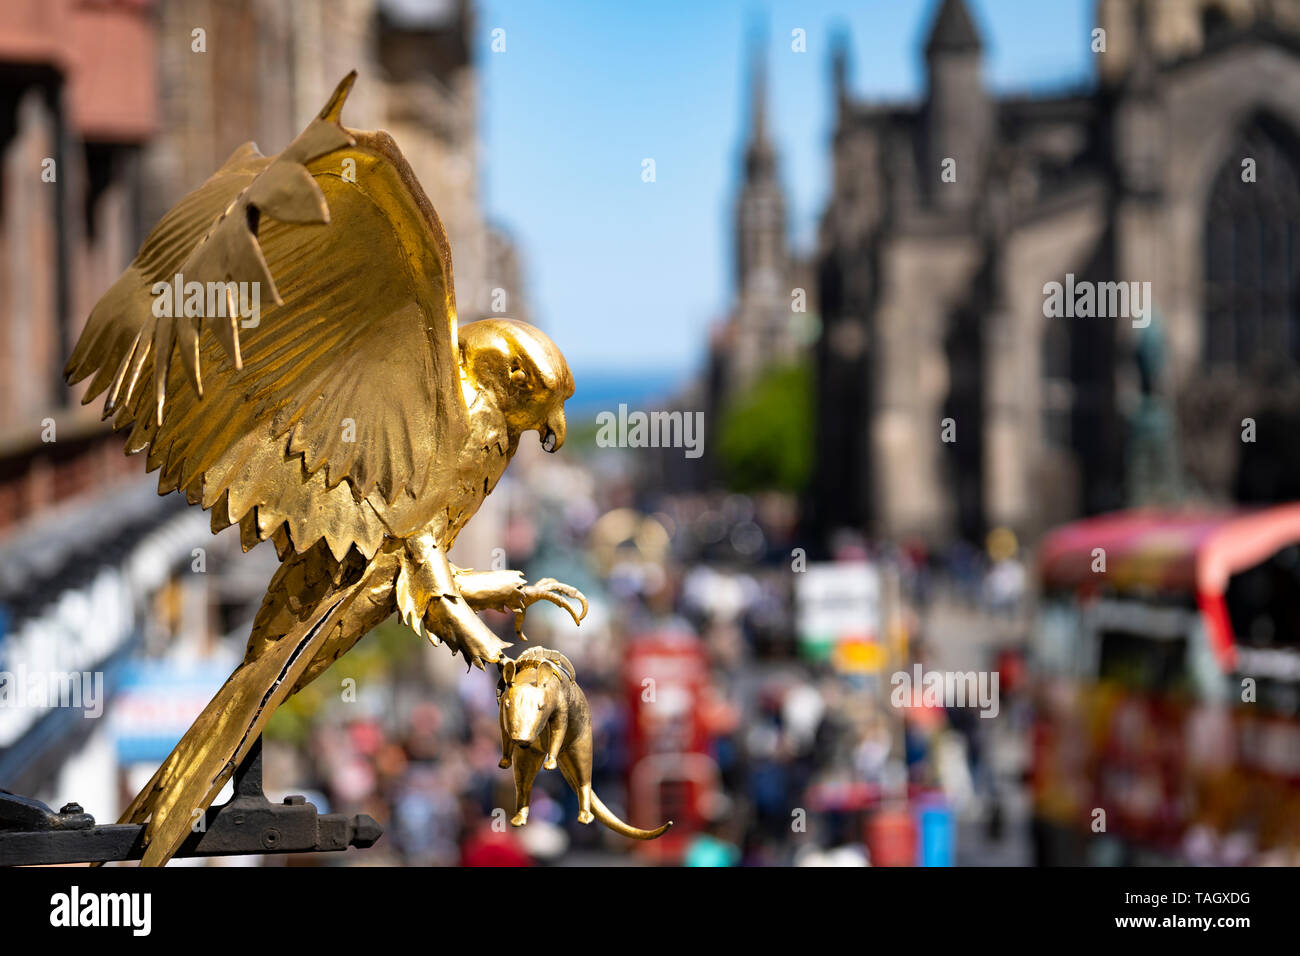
553, 592
582, 602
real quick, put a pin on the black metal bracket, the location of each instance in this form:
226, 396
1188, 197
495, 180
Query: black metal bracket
31, 834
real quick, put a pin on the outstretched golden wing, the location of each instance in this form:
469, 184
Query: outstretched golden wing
328, 414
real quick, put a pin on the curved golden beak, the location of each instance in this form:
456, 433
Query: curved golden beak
553, 432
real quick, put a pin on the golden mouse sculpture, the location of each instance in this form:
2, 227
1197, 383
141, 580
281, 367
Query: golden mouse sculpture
349, 421
546, 722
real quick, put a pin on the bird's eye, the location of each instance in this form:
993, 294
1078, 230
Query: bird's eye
539, 705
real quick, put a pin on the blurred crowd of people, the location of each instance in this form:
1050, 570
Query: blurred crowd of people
799, 757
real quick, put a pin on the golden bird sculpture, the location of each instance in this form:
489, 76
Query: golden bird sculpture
353, 424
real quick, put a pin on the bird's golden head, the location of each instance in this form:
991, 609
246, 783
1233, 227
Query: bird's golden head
520, 367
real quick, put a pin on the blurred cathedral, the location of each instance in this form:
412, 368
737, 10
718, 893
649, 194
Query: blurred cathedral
949, 403
773, 293
774, 297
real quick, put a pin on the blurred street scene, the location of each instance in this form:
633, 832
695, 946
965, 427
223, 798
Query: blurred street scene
971, 537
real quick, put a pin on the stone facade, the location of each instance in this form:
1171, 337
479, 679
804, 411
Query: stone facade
78, 101
948, 402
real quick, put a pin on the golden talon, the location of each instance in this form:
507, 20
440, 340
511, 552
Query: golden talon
554, 592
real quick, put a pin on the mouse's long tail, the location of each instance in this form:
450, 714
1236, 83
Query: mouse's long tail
607, 817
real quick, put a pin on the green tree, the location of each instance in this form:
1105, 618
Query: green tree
765, 441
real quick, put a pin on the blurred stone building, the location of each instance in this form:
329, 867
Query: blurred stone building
110, 111
933, 291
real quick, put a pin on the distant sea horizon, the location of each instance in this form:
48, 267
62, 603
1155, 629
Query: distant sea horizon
600, 389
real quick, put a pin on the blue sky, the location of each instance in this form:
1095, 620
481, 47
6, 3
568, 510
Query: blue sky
627, 276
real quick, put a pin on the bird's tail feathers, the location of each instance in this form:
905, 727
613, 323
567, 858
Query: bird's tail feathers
199, 766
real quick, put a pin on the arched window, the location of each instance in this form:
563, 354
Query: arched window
1214, 22
1252, 251
1058, 385
964, 348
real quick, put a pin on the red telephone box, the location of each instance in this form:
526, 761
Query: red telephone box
670, 771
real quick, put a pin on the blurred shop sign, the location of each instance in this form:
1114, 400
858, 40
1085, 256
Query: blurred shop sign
64, 647
158, 701
53, 657
837, 615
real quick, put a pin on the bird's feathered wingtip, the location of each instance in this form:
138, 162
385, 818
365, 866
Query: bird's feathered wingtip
333, 110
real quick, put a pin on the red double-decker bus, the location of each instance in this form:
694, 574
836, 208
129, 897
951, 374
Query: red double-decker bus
1166, 658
